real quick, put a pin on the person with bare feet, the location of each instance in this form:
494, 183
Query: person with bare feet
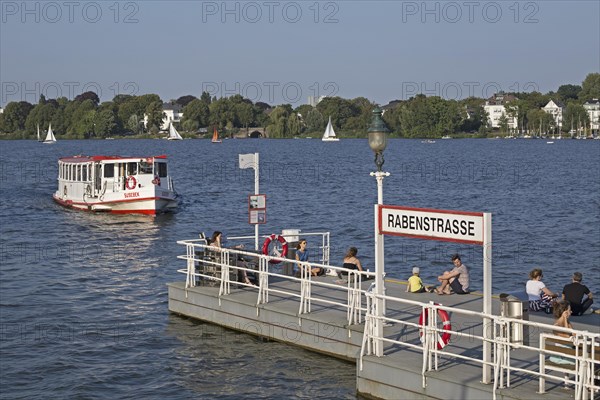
456, 280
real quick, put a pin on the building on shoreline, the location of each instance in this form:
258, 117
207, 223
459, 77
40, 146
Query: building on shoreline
495, 107
556, 109
593, 109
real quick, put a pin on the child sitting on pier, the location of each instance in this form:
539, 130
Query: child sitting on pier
415, 284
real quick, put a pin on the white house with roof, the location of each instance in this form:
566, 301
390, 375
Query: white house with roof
495, 108
314, 100
593, 109
556, 109
173, 113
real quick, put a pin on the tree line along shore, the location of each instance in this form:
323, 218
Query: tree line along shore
144, 116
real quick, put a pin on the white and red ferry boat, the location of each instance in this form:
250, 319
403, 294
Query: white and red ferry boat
115, 184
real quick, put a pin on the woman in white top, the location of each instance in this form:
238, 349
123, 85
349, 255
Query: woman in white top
540, 297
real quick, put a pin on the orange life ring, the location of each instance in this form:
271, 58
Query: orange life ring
281, 239
444, 338
130, 183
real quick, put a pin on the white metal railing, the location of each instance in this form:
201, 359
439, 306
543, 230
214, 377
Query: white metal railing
323, 249
586, 364
361, 305
216, 264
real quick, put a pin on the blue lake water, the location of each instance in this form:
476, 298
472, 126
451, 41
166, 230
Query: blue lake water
83, 298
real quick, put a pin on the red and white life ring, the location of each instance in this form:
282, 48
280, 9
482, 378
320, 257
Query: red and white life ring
444, 338
130, 183
284, 244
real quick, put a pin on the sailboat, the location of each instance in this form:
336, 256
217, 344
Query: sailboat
215, 138
50, 139
173, 134
329, 135
38, 133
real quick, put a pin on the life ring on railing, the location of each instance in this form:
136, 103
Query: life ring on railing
284, 244
130, 183
444, 338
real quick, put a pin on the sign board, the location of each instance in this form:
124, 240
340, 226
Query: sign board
423, 223
257, 209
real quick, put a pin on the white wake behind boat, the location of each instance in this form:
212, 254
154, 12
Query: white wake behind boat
120, 185
50, 139
329, 135
173, 134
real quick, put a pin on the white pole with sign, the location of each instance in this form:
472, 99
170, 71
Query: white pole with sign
449, 226
251, 161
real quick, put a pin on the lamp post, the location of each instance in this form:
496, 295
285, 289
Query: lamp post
378, 142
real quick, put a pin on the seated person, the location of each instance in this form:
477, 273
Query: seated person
415, 284
215, 241
540, 297
574, 293
562, 312
351, 262
302, 256
455, 281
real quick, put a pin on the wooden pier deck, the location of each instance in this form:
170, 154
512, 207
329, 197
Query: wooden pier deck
397, 375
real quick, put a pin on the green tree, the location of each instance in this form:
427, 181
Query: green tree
293, 124
155, 114
104, 123
503, 123
196, 111
133, 124
245, 113
205, 97
575, 118
277, 127
590, 88
566, 93
314, 121
15, 115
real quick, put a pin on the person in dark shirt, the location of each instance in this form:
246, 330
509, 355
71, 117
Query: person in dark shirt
574, 293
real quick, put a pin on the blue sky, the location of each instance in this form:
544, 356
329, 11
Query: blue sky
285, 51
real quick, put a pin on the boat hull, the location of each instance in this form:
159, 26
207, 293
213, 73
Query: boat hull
146, 206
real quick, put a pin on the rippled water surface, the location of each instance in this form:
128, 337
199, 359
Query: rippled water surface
83, 298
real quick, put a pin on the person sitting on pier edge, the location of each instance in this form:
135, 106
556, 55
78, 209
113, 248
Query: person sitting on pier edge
415, 284
215, 241
574, 293
457, 279
351, 261
540, 297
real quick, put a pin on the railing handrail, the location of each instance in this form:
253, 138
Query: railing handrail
500, 338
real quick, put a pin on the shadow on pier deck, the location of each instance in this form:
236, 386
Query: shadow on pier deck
397, 375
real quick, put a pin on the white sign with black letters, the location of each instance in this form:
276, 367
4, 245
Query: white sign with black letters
452, 226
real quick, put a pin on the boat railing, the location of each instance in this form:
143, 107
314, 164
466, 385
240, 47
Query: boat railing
221, 266
508, 337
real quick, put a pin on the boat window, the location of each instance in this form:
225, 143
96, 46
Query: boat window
161, 169
78, 173
145, 168
84, 173
69, 175
131, 168
109, 170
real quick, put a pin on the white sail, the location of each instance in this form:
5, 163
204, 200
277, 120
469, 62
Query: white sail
329, 135
50, 135
38, 133
173, 134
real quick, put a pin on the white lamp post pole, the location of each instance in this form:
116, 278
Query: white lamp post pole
378, 142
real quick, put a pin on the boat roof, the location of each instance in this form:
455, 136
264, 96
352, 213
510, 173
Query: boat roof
84, 159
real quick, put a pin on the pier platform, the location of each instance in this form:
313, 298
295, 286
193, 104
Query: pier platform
396, 375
